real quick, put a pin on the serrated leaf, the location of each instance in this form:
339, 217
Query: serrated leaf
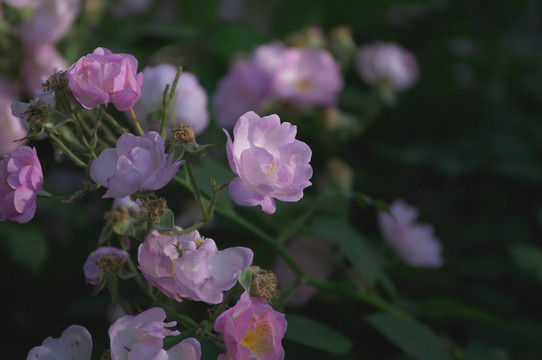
414, 338
354, 246
314, 334
479, 351
25, 244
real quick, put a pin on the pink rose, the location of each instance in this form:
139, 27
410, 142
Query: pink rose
413, 242
20, 180
11, 128
50, 21
138, 163
141, 337
269, 162
387, 65
74, 343
307, 77
191, 267
103, 77
189, 104
252, 330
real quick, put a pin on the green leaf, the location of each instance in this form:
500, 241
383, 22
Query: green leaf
124, 227
312, 333
355, 247
528, 258
167, 221
364, 201
414, 338
25, 244
479, 351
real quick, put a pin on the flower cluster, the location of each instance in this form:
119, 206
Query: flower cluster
300, 76
269, 164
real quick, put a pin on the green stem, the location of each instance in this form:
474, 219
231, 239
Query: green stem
67, 151
323, 285
166, 102
136, 123
195, 189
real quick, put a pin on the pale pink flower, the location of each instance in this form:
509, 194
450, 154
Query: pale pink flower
103, 77
191, 267
307, 77
138, 163
189, 105
21, 178
269, 162
268, 57
413, 242
11, 128
74, 343
252, 330
246, 87
387, 65
39, 63
50, 21
102, 262
141, 337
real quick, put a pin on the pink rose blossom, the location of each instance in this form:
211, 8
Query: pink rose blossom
413, 242
39, 63
387, 65
269, 162
191, 267
138, 163
307, 77
95, 267
189, 105
20, 180
11, 128
50, 21
246, 87
141, 337
74, 343
252, 330
103, 77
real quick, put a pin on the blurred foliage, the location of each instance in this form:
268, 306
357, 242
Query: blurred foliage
464, 145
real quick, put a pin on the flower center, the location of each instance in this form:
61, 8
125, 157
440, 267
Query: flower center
303, 84
258, 337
